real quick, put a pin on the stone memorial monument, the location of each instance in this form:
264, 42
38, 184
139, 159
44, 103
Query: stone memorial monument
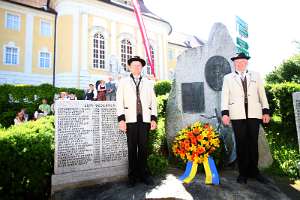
88, 145
197, 85
296, 103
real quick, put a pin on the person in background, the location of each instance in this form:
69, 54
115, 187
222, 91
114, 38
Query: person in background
90, 93
25, 114
101, 95
43, 110
110, 90
63, 96
72, 96
19, 118
245, 105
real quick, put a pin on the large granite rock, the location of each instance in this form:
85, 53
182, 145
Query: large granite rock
196, 90
265, 159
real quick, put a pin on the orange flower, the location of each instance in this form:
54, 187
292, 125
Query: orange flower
200, 137
200, 150
196, 131
194, 140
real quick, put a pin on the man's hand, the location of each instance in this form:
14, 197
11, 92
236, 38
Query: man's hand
226, 120
153, 125
266, 118
122, 126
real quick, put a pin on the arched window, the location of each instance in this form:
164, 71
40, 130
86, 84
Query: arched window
99, 51
126, 52
153, 58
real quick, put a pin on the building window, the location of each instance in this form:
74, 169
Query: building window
11, 55
44, 60
153, 58
99, 51
12, 21
126, 52
45, 29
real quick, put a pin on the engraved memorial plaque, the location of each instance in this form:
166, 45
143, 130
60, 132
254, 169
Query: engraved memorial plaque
296, 103
192, 97
87, 136
215, 69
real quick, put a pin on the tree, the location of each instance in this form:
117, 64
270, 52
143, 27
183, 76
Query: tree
288, 71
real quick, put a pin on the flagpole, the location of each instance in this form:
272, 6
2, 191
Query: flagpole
138, 14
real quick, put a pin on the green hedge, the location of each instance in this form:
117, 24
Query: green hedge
15, 97
26, 159
162, 87
284, 150
281, 104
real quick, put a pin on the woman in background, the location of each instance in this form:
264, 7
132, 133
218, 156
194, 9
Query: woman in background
101, 96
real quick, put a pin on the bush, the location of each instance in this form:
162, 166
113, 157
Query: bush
162, 87
162, 105
281, 104
14, 98
284, 150
157, 140
26, 159
158, 164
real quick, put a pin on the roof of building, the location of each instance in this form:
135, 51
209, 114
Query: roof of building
145, 11
42, 5
185, 40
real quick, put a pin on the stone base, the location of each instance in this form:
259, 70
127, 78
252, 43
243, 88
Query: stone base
265, 159
88, 177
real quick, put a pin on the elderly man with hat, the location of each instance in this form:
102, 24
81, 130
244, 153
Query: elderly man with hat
245, 105
137, 115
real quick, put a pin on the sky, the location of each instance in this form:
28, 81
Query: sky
272, 25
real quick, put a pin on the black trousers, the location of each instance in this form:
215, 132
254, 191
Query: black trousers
246, 135
137, 134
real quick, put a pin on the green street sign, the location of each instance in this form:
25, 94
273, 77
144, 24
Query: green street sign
241, 22
241, 50
243, 44
243, 32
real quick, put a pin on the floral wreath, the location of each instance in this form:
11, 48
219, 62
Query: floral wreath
196, 142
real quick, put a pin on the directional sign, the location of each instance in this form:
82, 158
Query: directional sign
243, 44
241, 22
241, 50
242, 31
241, 39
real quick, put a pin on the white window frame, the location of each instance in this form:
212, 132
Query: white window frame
11, 45
126, 53
39, 59
104, 49
148, 67
50, 28
6, 21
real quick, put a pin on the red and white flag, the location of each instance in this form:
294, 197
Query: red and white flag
140, 21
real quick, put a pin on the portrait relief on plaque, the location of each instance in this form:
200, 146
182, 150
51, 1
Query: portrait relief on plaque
215, 69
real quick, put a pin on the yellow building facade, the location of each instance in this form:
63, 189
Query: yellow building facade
27, 44
72, 43
75, 42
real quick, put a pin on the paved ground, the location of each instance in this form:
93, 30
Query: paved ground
169, 187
